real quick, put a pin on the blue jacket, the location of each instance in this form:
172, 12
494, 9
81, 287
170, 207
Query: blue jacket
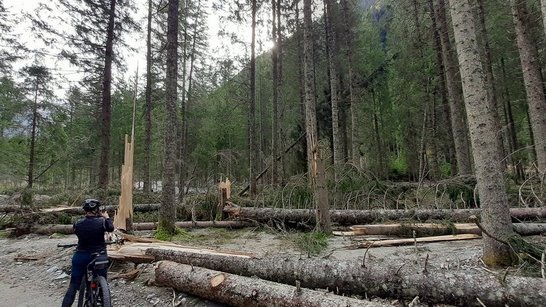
90, 231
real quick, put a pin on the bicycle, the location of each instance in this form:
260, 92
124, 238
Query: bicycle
94, 290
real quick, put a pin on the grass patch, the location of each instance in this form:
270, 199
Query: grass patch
4, 234
313, 243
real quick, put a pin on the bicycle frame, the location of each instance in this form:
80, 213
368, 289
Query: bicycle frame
89, 285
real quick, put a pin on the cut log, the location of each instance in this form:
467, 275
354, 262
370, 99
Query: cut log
354, 217
67, 229
378, 277
235, 290
420, 229
137, 252
426, 229
410, 241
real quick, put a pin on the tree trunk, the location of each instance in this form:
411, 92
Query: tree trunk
148, 107
491, 187
235, 290
31, 160
167, 212
532, 78
106, 105
331, 49
181, 127
543, 9
377, 277
513, 139
316, 168
252, 138
483, 43
354, 217
275, 101
348, 9
456, 103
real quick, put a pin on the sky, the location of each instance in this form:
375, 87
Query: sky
219, 46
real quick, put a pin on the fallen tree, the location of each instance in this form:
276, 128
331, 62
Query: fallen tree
410, 241
235, 290
430, 229
353, 217
67, 229
377, 277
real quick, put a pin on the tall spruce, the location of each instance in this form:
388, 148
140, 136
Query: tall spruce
167, 212
491, 186
38, 76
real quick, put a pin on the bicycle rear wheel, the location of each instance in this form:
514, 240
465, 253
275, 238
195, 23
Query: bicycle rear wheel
102, 292
81, 293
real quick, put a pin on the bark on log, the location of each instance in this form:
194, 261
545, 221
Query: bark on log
67, 229
235, 290
410, 241
424, 229
420, 229
378, 278
353, 217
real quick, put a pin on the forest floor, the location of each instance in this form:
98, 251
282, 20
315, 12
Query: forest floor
43, 282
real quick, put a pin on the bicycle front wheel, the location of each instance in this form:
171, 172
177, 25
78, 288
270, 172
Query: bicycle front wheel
102, 292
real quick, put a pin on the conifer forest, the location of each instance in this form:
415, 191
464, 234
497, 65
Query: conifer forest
277, 153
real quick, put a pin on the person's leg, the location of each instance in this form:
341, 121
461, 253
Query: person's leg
79, 265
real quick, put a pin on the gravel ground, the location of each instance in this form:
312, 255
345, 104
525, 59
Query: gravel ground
43, 282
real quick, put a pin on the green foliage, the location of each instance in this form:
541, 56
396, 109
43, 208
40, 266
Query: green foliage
312, 243
164, 235
26, 197
399, 166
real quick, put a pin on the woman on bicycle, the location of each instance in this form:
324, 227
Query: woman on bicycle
90, 231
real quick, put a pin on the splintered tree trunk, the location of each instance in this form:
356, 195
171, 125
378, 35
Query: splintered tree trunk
167, 212
375, 277
106, 105
353, 217
491, 187
235, 290
315, 155
532, 77
456, 103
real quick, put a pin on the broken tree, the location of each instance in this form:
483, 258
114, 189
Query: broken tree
353, 217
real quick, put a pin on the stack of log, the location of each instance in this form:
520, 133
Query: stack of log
241, 279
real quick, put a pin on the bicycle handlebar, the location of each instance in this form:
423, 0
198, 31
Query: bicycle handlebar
76, 244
